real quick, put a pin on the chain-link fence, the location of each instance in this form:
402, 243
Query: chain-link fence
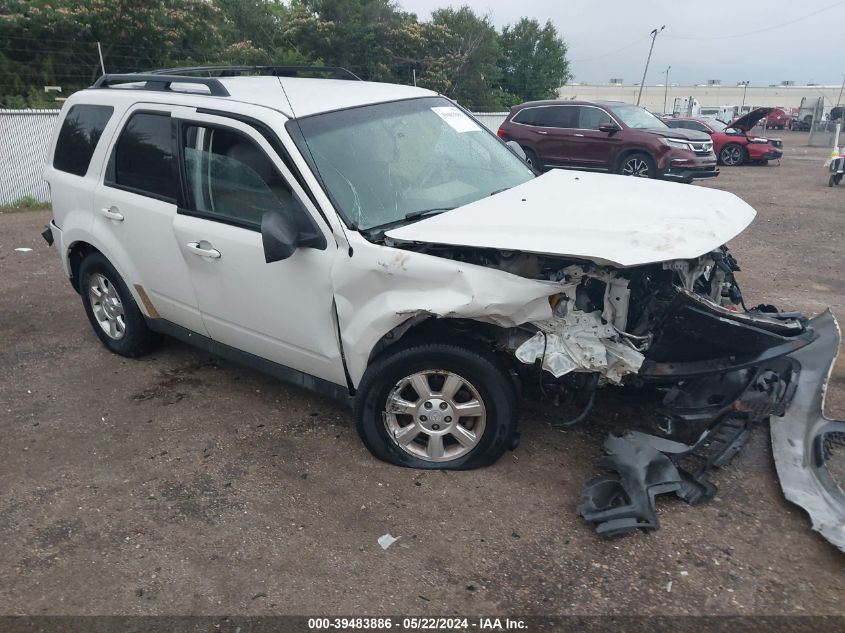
24, 137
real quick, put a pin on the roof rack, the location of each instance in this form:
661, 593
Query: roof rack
275, 71
162, 82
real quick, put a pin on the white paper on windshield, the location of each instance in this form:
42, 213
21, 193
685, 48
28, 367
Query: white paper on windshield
456, 119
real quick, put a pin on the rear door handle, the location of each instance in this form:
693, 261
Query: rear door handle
112, 214
576, 134
208, 251
541, 132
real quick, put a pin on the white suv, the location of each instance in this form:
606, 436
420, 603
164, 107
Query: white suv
375, 243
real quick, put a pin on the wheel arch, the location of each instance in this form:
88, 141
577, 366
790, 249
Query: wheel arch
80, 248
76, 252
428, 328
634, 150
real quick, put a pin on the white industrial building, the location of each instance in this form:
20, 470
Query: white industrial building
708, 95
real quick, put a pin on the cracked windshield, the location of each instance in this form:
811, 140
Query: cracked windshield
390, 164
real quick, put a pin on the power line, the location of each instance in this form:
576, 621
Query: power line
763, 30
618, 50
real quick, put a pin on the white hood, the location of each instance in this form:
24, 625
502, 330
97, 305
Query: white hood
603, 218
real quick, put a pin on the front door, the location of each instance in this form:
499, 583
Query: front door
282, 311
590, 146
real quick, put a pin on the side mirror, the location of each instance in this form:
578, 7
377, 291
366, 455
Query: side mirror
279, 234
609, 128
516, 148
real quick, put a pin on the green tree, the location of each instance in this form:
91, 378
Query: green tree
471, 54
53, 42
354, 34
533, 60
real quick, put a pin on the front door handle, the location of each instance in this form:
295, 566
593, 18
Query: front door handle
576, 134
112, 214
541, 131
203, 249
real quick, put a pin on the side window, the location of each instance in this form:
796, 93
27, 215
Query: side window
81, 130
228, 177
526, 116
144, 160
592, 118
559, 116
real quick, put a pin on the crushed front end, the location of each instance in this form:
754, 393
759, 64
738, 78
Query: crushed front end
682, 329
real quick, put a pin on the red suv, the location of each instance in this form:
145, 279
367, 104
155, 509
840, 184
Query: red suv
732, 144
608, 136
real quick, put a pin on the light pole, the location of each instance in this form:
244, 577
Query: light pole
744, 90
839, 98
647, 61
666, 90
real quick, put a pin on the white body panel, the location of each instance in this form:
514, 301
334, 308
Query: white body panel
602, 218
380, 288
281, 311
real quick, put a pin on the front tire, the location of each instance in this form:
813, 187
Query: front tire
639, 165
437, 406
732, 155
111, 308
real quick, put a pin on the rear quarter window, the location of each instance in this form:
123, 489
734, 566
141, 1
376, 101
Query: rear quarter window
81, 131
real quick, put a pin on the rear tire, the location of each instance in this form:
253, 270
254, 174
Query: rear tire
111, 308
532, 159
409, 404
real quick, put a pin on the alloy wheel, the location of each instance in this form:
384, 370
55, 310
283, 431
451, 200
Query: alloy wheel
106, 306
636, 167
435, 415
732, 155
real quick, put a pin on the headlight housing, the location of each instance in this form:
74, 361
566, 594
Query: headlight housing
678, 143
758, 140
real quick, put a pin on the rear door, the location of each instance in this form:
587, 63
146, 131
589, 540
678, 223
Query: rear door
281, 311
557, 125
135, 210
592, 148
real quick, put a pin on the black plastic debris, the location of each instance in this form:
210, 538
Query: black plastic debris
623, 502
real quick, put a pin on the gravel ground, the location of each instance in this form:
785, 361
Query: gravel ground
181, 484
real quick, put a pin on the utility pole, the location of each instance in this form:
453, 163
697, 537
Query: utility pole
100, 51
744, 90
647, 61
839, 98
666, 89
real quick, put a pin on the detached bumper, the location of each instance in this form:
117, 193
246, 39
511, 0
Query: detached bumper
798, 438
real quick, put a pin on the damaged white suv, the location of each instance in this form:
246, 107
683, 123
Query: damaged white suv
376, 243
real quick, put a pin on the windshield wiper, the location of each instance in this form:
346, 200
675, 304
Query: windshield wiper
424, 212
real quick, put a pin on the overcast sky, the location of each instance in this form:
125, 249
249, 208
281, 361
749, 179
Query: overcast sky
611, 38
